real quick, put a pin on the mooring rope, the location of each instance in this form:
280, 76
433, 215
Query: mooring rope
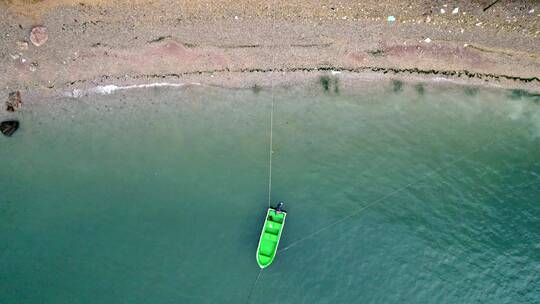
253, 286
271, 151
418, 180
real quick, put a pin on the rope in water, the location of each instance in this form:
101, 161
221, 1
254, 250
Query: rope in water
253, 286
271, 150
373, 203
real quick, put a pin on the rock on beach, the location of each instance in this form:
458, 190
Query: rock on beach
38, 35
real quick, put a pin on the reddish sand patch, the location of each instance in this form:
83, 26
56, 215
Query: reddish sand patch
356, 57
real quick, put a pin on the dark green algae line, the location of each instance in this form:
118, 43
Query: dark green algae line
397, 71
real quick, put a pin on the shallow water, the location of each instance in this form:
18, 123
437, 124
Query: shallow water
158, 196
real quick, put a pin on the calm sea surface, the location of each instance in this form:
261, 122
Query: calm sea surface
395, 194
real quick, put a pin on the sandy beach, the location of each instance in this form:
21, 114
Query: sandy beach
255, 43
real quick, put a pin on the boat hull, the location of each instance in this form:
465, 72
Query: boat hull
270, 237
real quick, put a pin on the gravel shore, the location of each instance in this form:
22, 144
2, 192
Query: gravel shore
255, 43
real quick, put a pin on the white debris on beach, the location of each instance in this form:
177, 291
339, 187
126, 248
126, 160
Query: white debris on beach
22, 45
455, 11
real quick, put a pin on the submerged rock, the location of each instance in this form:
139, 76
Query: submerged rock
397, 86
9, 127
328, 82
420, 89
38, 35
14, 101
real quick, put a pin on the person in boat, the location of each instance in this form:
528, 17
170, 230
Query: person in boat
279, 208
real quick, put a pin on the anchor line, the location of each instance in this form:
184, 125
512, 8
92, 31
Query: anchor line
379, 200
271, 151
253, 286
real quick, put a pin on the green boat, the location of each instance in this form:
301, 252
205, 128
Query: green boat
270, 236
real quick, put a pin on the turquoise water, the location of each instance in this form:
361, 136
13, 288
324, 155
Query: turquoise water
158, 196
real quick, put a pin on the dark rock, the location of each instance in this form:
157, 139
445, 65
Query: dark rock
9, 127
14, 101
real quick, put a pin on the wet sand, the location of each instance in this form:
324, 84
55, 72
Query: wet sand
257, 44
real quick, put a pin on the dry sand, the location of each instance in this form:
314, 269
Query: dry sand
256, 43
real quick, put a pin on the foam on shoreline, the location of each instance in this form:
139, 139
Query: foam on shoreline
111, 88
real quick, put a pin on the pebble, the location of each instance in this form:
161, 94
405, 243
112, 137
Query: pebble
14, 101
22, 45
33, 66
443, 11
38, 35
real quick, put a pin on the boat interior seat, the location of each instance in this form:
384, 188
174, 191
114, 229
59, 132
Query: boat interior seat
272, 227
270, 237
267, 249
264, 260
278, 218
